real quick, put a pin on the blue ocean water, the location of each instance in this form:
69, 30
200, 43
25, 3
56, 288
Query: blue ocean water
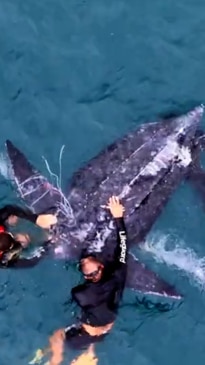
82, 73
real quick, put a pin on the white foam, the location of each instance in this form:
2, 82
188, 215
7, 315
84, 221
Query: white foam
36, 252
177, 256
5, 168
101, 238
81, 234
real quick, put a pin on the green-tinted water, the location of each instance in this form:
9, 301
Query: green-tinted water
82, 73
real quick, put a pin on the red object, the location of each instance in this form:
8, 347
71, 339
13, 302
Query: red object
2, 229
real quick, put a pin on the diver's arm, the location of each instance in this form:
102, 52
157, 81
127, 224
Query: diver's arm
118, 278
120, 256
21, 263
24, 263
9, 210
117, 210
119, 275
44, 221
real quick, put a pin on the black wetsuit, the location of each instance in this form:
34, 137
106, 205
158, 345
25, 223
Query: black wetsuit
15, 261
99, 301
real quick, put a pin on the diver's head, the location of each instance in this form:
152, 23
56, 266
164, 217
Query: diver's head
91, 268
7, 242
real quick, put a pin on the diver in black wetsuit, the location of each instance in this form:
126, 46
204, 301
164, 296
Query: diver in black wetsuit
10, 246
98, 297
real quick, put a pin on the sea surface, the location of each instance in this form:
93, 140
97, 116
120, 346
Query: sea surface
82, 73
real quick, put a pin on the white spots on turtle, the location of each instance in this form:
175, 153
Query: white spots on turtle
169, 153
185, 156
100, 239
123, 169
161, 160
82, 233
101, 216
111, 225
125, 191
58, 250
172, 152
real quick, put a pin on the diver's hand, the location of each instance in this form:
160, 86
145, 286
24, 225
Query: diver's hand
12, 220
23, 239
115, 207
46, 220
